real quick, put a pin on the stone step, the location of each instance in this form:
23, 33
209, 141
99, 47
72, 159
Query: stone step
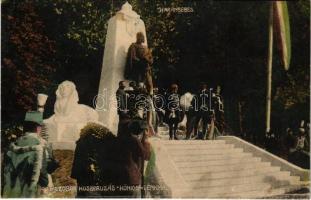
219, 161
228, 174
214, 153
236, 191
216, 169
194, 142
275, 178
195, 147
263, 193
224, 168
163, 130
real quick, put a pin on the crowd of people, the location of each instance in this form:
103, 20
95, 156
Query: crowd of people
203, 110
106, 165
293, 145
114, 163
140, 98
101, 160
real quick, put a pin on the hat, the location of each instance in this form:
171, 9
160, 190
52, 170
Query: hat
137, 126
34, 116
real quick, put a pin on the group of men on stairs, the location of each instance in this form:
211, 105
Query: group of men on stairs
140, 97
205, 110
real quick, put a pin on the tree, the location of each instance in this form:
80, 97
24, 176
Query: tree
27, 58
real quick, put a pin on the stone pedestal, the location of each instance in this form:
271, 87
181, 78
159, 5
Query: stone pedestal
64, 132
121, 33
63, 135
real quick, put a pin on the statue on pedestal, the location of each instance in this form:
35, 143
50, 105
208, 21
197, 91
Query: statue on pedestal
135, 59
121, 33
139, 61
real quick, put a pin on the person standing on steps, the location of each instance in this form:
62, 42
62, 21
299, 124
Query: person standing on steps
217, 106
131, 151
202, 110
190, 113
122, 98
173, 111
158, 101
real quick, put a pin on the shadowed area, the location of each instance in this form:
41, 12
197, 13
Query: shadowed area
61, 177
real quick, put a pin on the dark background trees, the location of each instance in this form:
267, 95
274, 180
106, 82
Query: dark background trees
28, 58
222, 42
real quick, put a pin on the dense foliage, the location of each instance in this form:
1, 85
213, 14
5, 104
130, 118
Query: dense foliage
27, 58
221, 42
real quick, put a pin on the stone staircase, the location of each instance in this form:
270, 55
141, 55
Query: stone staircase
219, 169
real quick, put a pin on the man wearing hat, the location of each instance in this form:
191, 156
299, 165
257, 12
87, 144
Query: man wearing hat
25, 162
139, 129
173, 115
133, 150
202, 109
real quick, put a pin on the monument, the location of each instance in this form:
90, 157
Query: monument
121, 33
63, 128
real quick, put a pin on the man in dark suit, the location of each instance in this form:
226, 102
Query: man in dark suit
132, 150
122, 98
173, 115
202, 105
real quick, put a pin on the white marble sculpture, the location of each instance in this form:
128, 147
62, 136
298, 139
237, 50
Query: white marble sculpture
69, 117
41, 100
121, 33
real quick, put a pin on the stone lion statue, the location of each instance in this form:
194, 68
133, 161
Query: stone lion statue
69, 116
66, 98
67, 105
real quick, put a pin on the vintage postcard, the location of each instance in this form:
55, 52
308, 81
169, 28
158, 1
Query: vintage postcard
155, 99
